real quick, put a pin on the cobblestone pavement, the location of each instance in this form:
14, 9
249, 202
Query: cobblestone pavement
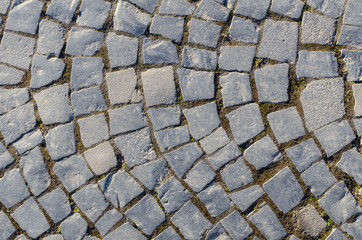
177, 119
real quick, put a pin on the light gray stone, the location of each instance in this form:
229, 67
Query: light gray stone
12, 188
83, 42
339, 203
204, 33
176, 7
56, 204
88, 100
101, 158
29, 141
53, 104
74, 227
304, 154
22, 237
93, 129
73, 172
12, 98
246, 197
6, 228
61, 141
316, 64
172, 137
93, 13
196, 85
335, 136
212, 10
4, 5
199, 176
332, 8
126, 231
17, 122
167, 234
217, 232
164, 117
310, 221
289, 8
235, 89
168, 27
10, 76
50, 38
351, 163
159, 51
215, 141
244, 54
107, 221
190, 221
236, 226
353, 60
148, 5
279, 42
244, 30
284, 189
357, 89
245, 122
5, 157
352, 14
136, 147
30, 218
86, 71
358, 125
199, 58
317, 29
16, 50
350, 36
62, 10
122, 50
45, 70
215, 199
353, 229
251, 8
120, 188
322, 102
56, 237
224, 155
237, 174
336, 234
152, 173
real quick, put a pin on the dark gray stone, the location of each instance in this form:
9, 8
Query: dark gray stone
86, 71
235, 89
304, 154
61, 141
224, 155
316, 64
354, 229
199, 58
10, 76
351, 163
6, 228
353, 60
126, 231
350, 36
176, 7
199, 176
310, 221
289, 8
107, 221
317, 29
172, 137
12, 98
243, 30
93, 13
93, 130
215, 141
237, 175
5, 157
246, 197
56, 204
62, 10
101, 158
352, 14
217, 232
164, 117
50, 38
236, 226
284, 189
83, 42
159, 51
251, 8
12, 188
122, 50
215, 199
336, 234
244, 54
212, 10
29, 141
332, 8
74, 227
168, 27
167, 234
204, 33
88, 100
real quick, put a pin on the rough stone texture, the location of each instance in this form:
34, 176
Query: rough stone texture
172, 137
224, 155
332, 8
101, 158
286, 124
10, 76
357, 89
146, 222
53, 104
244, 54
50, 38
6, 228
122, 50
353, 60
251, 8
164, 117
86, 71
196, 85
316, 64
289, 8
284, 189
304, 154
199, 176
335, 136
244, 30
190, 221
215, 199
199, 58
159, 51
176, 7
212, 10
236, 226
272, 83
267, 222
30, 218
237, 175
83, 42
215, 141
4, 6
352, 14
339, 203
350, 36
5, 157
262, 153
204, 33
107, 221
245, 122
168, 27
93, 129
88, 100
217, 232
317, 29
93, 13
322, 102
62, 10
351, 163
202, 120
148, 5
310, 221
279, 40
353, 229
73, 172
74, 227
12, 98
56, 204
120, 188
167, 234
61, 141
12, 188
235, 89
246, 197
336, 235
126, 231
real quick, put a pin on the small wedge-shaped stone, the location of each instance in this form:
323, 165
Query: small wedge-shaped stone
351, 163
159, 51
62, 10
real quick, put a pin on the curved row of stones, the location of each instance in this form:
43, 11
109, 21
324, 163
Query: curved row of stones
144, 119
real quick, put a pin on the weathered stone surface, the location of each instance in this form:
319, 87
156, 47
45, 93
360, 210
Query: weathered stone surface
224, 155
217, 232
45, 70
236, 226
10, 76
168, 27
86, 71
310, 221
5, 157
88, 100
284, 190
352, 14
336, 235
62, 10
199, 58
61, 141
74, 227
353, 60
245, 122
199, 176
56, 204
126, 231
357, 89
148, 5
215, 199
215, 141
101, 158
122, 50
246, 197
159, 51
12, 98
289, 8
107, 221
212, 10
235, 89
12, 188
332, 8
93, 129
316, 64
176, 7
244, 54
322, 102
60, 237
350, 36
250, 8
167, 234
6, 228
204, 33
172, 137
237, 175
317, 29
279, 42
244, 30
93, 13
164, 117
354, 229
83, 42
4, 5
304, 154
351, 163
50, 38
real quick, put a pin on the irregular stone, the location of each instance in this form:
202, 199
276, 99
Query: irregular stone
353, 229
246, 197
12, 188
122, 50
93, 13
190, 221
62, 10
167, 234
12, 98
126, 231
217, 232
267, 223
136, 147
289, 8
353, 60
310, 221
262, 153
86, 71
120, 188
164, 117
224, 155
30, 218
352, 15
245, 122
336, 235
4, 5
58, 237
153, 218
16, 50
168, 27
284, 189
176, 7
202, 120
88, 100
172, 195
204, 33
244, 54
152, 173
357, 88
358, 125
235, 89
73, 172
351, 163
322, 102
199, 58
50, 38
272, 83
83, 42
35, 171
6, 228
10, 76
243, 30
17, 122
148, 5
332, 8
74, 227
22, 237
215, 141
212, 10
24, 17
61, 141
279, 42
304, 154
159, 51
335, 136
316, 64
93, 129
250, 8
215, 199
53, 104
5, 157
56, 204
237, 175
339, 203
101, 158
196, 85
45, 70
129, 19
350, 36
236, 226
317, 29
200, 176
170, 138
107, 221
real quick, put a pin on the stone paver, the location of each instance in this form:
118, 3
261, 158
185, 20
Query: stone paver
237, 175
215, 199
246, 197
212, 10
101, 158
215, 141
351, 15
86, 71
255, 9
351, 163
289, 8
164, 117
230, 53
126, 231
62, 10
331, 8
61, 141
317, 29
83, 42
12, 98
336, 235
224, 155
74, 227
122, 50
6, 228
316, 64
350, 36
50, 40
9, 75
107, 221
353, 229
168, 27
12, 188
235, 89
159, 51
304, 154
93, 129
236, 226
199, 58
172, 137
88, 100
204, 33
56, 204
169, 233
177, 7
5, 157
93, 13
310, 221
353, 64
244, 30
199, 176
